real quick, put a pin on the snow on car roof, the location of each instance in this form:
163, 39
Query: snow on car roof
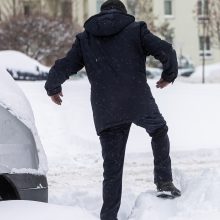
13, 99
17, 61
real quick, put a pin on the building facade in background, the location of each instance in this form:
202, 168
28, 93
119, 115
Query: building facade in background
78, 10
63, 8
86, 8
184, 17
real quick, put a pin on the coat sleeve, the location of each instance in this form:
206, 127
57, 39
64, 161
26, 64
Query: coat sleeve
162, 51
64, 68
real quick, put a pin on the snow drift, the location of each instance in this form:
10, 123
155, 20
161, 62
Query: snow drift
200, 201
13, 100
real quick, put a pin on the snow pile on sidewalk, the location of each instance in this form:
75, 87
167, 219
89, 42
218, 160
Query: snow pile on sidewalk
200, 201
212, 74
17, 61
24, 210
13, 99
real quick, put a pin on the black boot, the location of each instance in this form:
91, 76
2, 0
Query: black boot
167, 190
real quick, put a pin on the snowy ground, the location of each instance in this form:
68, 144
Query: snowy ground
75, 163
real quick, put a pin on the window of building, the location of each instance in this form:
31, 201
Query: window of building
205, 46
168, 7
0, 14
67, 9
204, 43
27, 9
199, 8
86, 8
203, 7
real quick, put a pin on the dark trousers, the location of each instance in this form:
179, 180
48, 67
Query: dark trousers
113, 141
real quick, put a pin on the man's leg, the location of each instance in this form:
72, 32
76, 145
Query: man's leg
113, 141
156, 127
161, 151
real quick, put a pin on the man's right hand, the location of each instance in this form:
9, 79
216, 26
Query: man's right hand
57, 98
162, 84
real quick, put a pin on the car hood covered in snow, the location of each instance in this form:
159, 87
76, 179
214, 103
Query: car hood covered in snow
17, 61
14, 101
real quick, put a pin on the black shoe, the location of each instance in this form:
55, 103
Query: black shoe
167, 190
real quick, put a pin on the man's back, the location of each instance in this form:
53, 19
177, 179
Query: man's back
115, 63
113, 48
111, 44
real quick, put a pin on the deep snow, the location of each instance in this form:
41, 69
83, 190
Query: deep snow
22, 210
75, 164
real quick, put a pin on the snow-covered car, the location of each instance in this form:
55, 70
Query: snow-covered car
156, 72
153, 72
22, 67
212, 74
23, 163
185, 66
186, 72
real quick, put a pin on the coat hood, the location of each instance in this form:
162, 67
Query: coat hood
107, 23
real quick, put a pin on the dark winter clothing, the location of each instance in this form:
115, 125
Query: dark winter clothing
167, 190
113, 49
114, 141
113, 4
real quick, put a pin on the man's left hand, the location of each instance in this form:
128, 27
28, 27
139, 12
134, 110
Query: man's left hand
162, 84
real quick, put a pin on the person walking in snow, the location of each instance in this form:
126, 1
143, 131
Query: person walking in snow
113, 48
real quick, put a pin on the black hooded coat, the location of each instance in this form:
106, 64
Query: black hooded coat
113, 48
